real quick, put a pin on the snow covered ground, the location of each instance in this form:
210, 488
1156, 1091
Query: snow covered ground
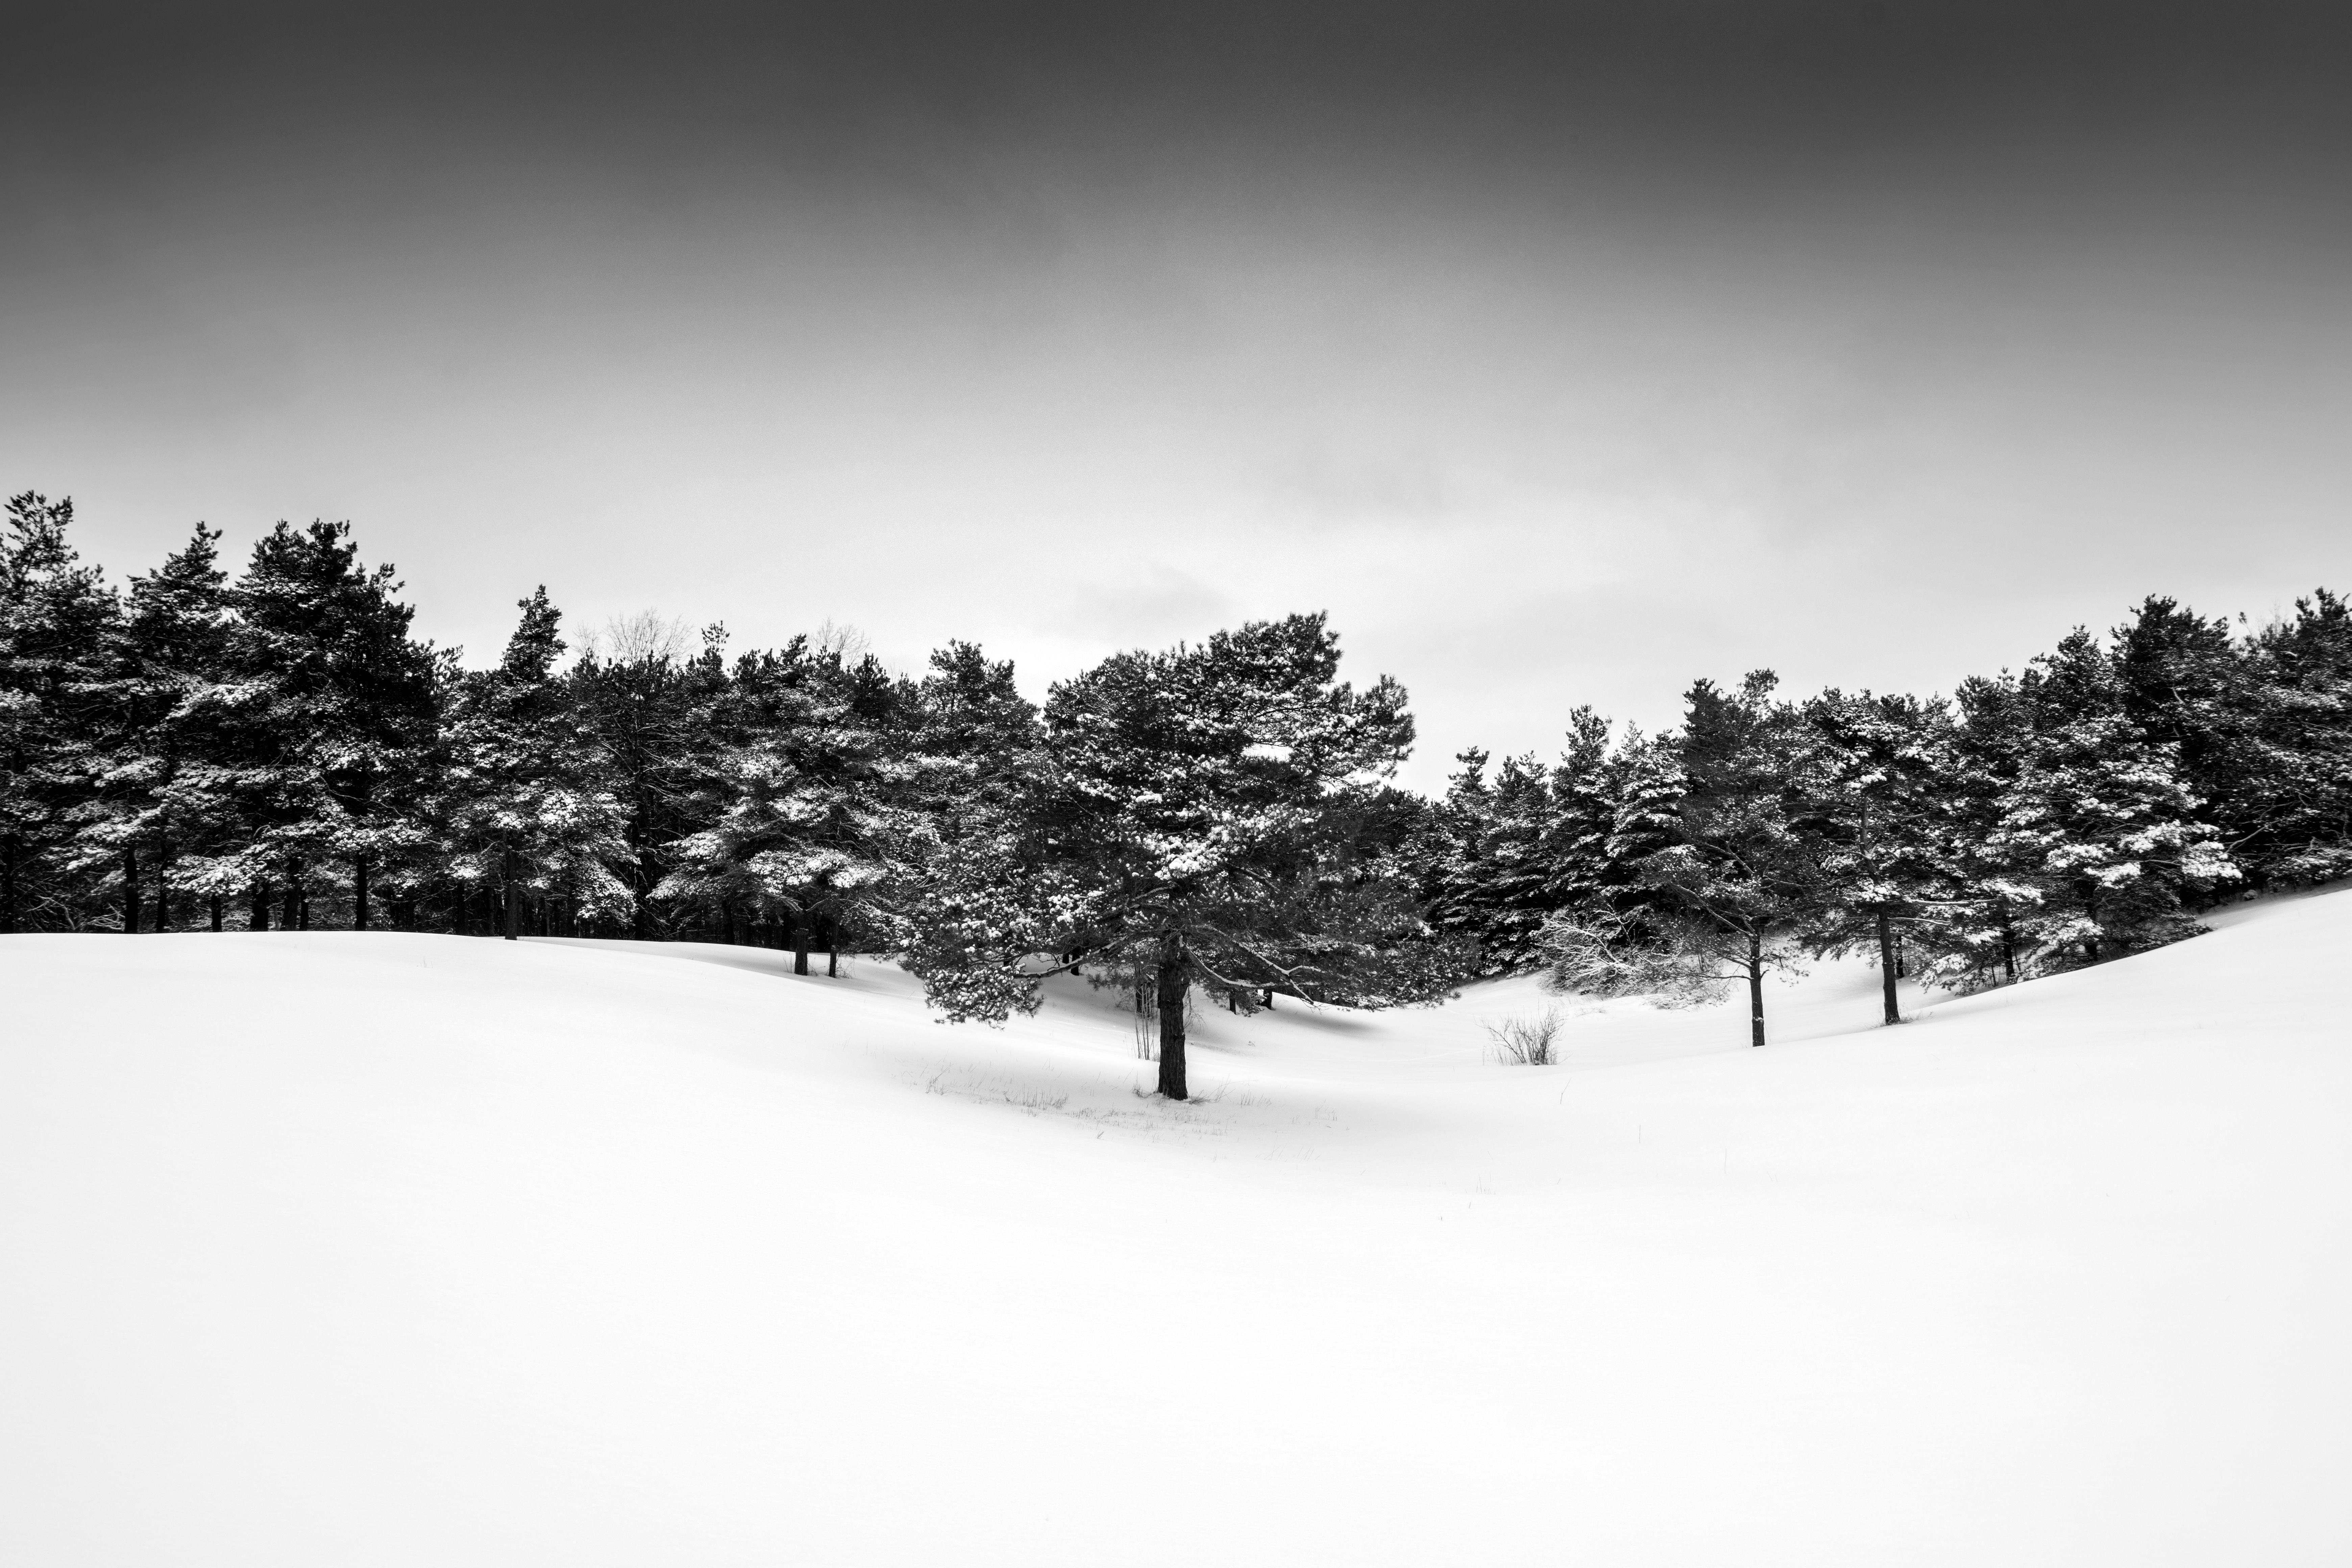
357, 1249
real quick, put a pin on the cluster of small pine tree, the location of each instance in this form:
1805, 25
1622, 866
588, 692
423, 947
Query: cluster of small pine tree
2086, 808
277, 751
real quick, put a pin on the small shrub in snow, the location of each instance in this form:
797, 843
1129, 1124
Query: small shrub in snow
1527, 1042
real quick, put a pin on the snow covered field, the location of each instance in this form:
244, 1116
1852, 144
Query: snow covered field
356, 1249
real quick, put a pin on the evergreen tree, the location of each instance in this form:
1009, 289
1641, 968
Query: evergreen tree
810, 820
335, 715
1520, 874
2097, 822
2287, 809
1453, 849
648, 714
526, 818
1877, 822
1216, 813
1738, 879
164, 774
1491, 850
1587, 785
1645, 784
56, 616
1978, 936
2189, 688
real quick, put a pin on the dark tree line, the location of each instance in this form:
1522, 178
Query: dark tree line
275, 750
271, 748
2083, 809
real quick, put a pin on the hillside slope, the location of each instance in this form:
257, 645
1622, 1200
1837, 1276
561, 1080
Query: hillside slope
359, 1249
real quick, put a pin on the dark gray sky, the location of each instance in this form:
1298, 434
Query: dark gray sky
1563, 352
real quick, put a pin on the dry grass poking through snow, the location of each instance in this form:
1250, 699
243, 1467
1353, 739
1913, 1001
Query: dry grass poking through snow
1526, 1041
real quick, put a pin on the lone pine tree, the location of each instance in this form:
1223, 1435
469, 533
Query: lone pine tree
1214, 813
1735, 880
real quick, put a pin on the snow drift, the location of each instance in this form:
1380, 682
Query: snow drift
355, 1249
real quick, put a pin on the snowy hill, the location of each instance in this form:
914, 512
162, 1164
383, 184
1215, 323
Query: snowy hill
357, 1249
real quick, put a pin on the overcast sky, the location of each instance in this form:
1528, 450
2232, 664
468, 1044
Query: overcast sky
1563, 353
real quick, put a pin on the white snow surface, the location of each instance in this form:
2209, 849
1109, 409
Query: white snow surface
342, 1248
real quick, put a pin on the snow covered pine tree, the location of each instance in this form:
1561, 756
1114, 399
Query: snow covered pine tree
163, 774
809, 817
333, 715
55, 614
1877, 821
1216, 813
1738, 882
523, 809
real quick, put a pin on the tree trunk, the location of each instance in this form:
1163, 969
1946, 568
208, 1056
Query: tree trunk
129, 889
800, 942
291, 911
215, 903
8, 884
1886, 973
641, 918
258, 917
1755, 989
1171, 988
359, 893
2008, 949
164, 886
511, 911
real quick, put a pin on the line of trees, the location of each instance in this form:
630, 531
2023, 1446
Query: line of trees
2083, 809
274, 750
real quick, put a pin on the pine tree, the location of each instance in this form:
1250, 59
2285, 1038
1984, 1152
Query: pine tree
648, 715
809, 820
1645, 784
55, 616
2188, 687
2097, 822
1214, 813
1521, 877
973, 753
334, 717
1489, 851
1453, 850
1586, 787
1737, 880
1875, 820
165, 787
526, 818
2287, 806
